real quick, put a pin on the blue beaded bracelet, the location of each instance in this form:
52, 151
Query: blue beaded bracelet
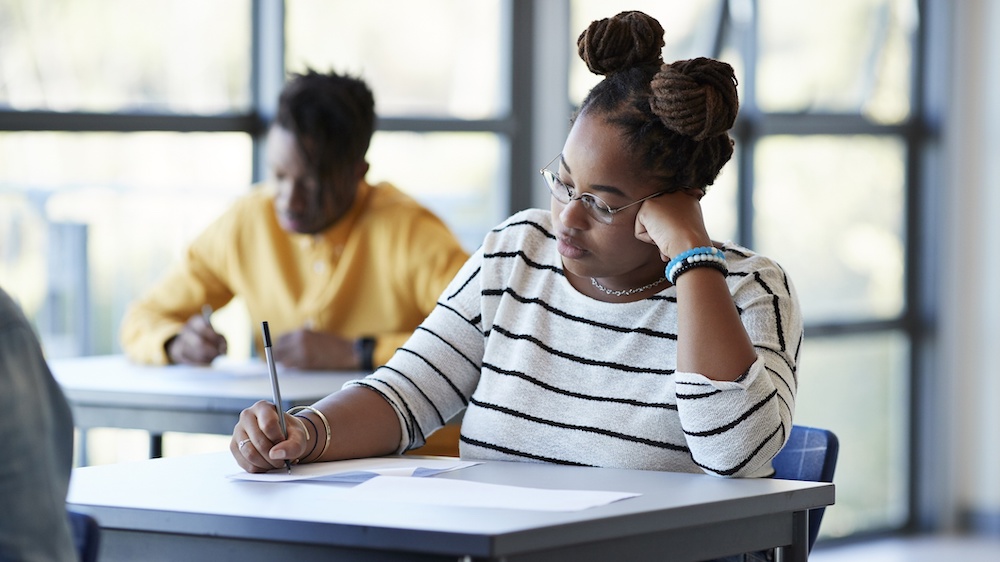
707, 250
703, 255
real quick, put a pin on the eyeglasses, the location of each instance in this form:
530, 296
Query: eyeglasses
595, 206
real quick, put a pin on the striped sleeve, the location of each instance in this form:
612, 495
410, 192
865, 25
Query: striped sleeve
430, 378
736, 428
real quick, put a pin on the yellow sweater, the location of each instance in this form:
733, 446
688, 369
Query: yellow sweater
376, 273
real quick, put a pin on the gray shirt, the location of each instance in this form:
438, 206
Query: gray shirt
36, 434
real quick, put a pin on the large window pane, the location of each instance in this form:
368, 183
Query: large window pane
850, 56
830, 210
689, 30
184, 56
428, 58
719, 204
115, 210
457, 175
857, 387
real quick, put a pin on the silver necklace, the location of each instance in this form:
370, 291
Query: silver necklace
626, 292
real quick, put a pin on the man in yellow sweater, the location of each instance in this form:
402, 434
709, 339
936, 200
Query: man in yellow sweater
343, 271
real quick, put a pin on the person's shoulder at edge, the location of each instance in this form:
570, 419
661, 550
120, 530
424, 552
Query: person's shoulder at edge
259, 194
385, 198
742, 259
259, 197
250, 207
384, 203
385, 194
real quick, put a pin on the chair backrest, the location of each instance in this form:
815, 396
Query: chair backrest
810, 454
86, 535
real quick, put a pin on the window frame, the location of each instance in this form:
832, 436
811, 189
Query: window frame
538, 119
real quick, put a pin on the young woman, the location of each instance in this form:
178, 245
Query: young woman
609, 331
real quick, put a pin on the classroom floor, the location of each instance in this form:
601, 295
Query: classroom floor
913, 549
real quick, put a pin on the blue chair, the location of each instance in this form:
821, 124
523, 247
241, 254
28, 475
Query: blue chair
810, 454
86, 535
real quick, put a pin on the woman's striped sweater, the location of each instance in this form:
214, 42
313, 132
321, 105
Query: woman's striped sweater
547, 374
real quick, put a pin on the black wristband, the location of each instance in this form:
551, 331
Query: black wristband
365, 348
691, 265
315, 441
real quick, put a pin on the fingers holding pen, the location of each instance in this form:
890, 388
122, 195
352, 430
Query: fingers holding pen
201, 326
257, 443
246, 454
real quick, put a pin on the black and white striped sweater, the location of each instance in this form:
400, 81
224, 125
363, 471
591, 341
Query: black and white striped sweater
550, 375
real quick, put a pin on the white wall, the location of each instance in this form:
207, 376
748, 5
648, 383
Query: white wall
970, 280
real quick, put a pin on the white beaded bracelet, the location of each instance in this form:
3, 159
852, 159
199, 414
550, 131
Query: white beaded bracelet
677, 266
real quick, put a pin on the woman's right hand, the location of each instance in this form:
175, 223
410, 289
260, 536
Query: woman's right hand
673, 222
257, 443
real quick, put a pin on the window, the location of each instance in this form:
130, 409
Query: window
820, 183
124, 136
115, 150
451, 152
831, 128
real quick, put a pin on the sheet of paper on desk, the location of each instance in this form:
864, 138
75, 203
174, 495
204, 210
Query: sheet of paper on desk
463, 493
358, 470
235, 367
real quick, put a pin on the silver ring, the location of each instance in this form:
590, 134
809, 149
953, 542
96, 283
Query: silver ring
244, 442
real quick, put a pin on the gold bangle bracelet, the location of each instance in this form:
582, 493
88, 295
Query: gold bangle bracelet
319, 414
304, 428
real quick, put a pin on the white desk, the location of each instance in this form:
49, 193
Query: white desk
110, 391
184, 508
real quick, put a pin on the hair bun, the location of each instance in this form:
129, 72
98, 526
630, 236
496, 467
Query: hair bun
624, 41
696, 97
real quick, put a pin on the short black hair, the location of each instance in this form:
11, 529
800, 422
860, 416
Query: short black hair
332, 117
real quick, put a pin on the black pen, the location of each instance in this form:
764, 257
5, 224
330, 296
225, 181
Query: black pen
275, 391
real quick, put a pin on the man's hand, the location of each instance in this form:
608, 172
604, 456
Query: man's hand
306, 349
196, 344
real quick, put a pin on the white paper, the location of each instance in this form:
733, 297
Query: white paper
357, 470
463, 493
401, 480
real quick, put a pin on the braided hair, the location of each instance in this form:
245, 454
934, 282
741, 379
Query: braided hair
674, 117
332, 117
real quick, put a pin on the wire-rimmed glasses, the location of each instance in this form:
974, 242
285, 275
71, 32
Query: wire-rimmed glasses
595, 206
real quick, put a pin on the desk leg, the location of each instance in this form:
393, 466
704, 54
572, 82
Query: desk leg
798, 551
155, 445
81, 447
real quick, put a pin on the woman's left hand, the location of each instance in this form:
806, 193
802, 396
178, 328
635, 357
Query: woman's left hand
673, 222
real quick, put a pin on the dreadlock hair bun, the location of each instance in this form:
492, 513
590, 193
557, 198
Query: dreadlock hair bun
696, 98
626, 40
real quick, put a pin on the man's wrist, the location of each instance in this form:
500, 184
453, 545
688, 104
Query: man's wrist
167, 345
364, 349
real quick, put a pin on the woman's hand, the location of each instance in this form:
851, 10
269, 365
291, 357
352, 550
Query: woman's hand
257, 444
673, 222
